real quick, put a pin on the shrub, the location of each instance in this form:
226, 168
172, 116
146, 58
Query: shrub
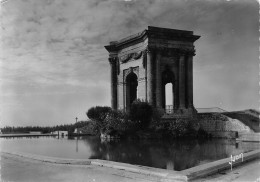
89, 128
115, 122
202, 133
156, 122
98, 115
183, 128
141, 112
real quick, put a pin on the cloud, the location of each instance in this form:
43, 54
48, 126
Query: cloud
55, 47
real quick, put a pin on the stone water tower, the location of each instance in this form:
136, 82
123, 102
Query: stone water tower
142, 64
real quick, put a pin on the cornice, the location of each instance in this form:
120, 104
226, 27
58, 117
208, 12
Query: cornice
153, 33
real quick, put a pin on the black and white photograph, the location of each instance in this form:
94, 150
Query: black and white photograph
129, 91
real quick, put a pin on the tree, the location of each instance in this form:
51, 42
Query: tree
98, 115
98, 112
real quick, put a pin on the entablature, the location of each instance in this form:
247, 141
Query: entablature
154, 33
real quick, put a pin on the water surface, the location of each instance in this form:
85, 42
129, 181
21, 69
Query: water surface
174, 154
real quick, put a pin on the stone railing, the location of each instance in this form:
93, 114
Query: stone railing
211, 110
169, 109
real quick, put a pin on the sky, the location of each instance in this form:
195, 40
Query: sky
54, 67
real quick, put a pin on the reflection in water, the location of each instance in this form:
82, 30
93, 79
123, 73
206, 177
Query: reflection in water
173, 155
77, 148
61, 137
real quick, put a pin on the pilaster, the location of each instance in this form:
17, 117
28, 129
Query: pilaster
113, 77
150, 76
158, 80
190, 81
181, 80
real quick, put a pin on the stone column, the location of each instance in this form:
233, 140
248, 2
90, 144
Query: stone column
181, 81
190, 80
173, 98
145, 67
113, 66
158, 81
150, 78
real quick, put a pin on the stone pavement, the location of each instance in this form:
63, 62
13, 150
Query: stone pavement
14, 168
249, 172
17, 168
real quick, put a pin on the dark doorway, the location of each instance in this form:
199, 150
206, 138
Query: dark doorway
131, 89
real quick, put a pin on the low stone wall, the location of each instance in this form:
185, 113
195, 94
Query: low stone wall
219, 125
223, 134
253, 137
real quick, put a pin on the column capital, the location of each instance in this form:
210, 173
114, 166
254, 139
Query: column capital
149, 49
190, 52
112, 60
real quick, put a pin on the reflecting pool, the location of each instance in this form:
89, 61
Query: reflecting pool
175, 154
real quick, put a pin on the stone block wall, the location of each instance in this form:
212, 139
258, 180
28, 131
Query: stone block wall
223, 134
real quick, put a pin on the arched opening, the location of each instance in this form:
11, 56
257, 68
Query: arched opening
168, 91
131, 89
169, 98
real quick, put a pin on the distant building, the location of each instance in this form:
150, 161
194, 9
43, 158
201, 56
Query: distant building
60, 133
35, 132
77, 131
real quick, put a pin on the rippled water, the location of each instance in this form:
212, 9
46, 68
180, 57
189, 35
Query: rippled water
175, 154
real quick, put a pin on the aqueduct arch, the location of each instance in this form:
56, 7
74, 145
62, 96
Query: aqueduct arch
142, 64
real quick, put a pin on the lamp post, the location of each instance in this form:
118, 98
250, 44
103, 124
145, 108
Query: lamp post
77, 136
76, 123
